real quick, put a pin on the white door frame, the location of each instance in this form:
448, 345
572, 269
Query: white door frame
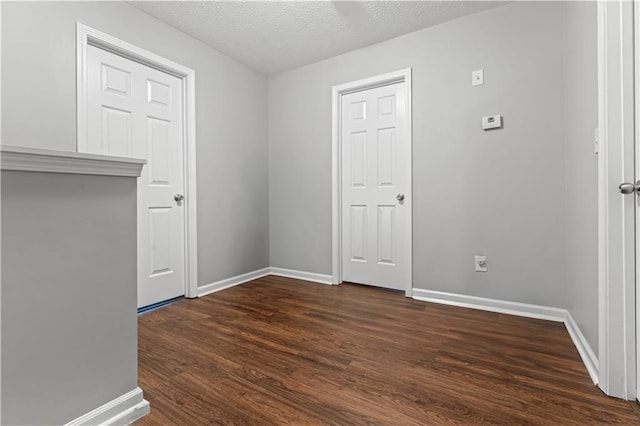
636, 17
616, 219
400, 76
87, 36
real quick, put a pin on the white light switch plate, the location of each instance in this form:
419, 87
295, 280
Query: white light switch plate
477, 78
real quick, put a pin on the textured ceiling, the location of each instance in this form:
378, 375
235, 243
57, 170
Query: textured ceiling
276, 36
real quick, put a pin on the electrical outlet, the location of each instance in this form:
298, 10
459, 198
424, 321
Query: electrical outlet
481, 264
477, 78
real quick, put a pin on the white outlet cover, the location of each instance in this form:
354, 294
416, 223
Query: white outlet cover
481, 264
477, 78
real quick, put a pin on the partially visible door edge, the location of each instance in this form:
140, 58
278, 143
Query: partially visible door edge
616, 220
636, 17
400, 76
86, 36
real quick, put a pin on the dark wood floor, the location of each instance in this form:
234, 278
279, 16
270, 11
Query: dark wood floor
279, 350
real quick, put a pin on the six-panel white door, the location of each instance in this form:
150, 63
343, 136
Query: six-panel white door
137, 111
376, 180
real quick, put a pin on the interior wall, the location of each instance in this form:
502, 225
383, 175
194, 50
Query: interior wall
581, 193
498, 193
69, 325
494, 193
38, 98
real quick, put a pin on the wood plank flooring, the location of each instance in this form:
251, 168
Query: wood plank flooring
284, 351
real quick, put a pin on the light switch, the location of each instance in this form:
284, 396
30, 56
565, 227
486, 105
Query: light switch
477, 78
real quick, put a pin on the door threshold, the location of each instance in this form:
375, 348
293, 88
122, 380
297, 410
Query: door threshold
395, 290
155, 306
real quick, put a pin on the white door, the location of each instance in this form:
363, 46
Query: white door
376, 185
136, 111
636, 9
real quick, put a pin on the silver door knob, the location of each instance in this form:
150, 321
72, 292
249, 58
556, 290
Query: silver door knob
178, 197
627, 188
400, 197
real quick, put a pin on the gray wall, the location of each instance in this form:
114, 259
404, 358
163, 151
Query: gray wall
507, 193
69, 326
581, 193
498, 193
38, 96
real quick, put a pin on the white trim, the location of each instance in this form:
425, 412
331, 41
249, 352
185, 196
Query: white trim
123, 410
587, 355
589, 358
636, 8
24, 159
86, 36
400, 76
191, 195
603, 194
492, 305
250, 276
616, 233
0, 220
232, 282
301, 275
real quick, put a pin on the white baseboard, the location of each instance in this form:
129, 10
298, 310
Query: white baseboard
250, 276
123, 410
493, 305
301, 275
521, 309
231, 282
589, 358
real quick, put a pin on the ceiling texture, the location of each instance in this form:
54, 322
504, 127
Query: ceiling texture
277, 36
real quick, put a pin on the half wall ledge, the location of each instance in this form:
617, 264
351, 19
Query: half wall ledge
25, 159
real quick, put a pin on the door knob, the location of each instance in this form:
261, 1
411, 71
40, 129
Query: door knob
628, 188
178, 197
400, 197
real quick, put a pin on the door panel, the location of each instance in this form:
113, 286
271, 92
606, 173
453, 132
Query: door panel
158, 94
385, 157
116, 81
116, 131
386, 226
136, 111
159, 151
376, 158
358, 159
358, 233
159, 239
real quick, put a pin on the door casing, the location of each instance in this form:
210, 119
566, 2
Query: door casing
400, 76
616, 219
636, 17
86, 36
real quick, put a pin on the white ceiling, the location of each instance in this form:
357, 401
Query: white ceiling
276, 36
